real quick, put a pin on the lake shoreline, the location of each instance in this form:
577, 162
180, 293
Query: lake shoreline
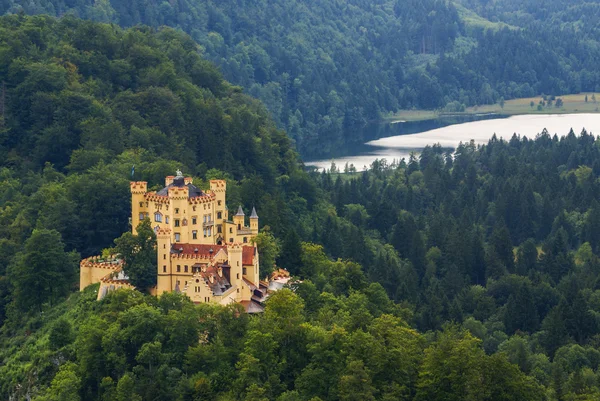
572, 104
448, 136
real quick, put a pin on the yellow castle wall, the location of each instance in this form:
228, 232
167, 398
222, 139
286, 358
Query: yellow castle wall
191, 215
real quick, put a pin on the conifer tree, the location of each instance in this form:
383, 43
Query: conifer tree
43, 271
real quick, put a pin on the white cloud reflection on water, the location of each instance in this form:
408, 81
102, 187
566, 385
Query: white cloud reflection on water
400, 146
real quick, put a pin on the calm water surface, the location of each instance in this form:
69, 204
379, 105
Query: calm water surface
395, 143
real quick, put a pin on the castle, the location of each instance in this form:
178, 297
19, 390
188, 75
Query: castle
200, 252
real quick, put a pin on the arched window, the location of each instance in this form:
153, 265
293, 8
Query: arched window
158, 217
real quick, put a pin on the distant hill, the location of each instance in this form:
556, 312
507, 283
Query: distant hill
320, 67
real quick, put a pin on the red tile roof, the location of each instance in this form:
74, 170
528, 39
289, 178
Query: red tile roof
248, 255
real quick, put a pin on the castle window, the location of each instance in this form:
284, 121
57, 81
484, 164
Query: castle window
219, 203
245, 240
204, 231
184, 221
164, 246
194, 208
167, 219
219, 215
176, 210
197, 280
230, 230
176, 222
244, 271
209, 229
178, 268
230, 239
185, 269
164, 257
239, 226
238, 276
141, 204
158, 217
194, 234
177, 237
164, 269
194, 221
219, 229
141, 216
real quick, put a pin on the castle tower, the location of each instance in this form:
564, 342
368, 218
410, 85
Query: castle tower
163, 245
138, 203
219, 188
238, 219
234, 251
178, 194
254, 222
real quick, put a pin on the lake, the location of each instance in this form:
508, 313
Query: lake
398, 140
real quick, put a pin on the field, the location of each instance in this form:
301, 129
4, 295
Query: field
571, 104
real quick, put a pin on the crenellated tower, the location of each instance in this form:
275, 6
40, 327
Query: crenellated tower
164, 268
139, 206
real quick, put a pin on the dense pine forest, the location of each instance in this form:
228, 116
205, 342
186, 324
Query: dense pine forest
321, 67
471, 276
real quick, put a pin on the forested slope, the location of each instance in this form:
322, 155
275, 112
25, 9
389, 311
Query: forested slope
323, 66
473, 277
87, 108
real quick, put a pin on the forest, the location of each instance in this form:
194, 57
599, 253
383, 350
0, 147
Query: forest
322, 68
470, 275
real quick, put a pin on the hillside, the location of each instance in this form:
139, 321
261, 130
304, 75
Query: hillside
321, 67
441, 278
88, 107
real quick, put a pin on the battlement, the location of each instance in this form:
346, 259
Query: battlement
138, 187
210, 197
98, 262
163, 231
218, 185
235, 247
153, 197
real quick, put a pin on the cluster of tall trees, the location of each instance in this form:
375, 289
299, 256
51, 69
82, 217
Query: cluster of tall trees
342, 339
502, 238
321, 67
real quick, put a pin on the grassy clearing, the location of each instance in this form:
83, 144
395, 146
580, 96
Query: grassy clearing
473, 20
571, 104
